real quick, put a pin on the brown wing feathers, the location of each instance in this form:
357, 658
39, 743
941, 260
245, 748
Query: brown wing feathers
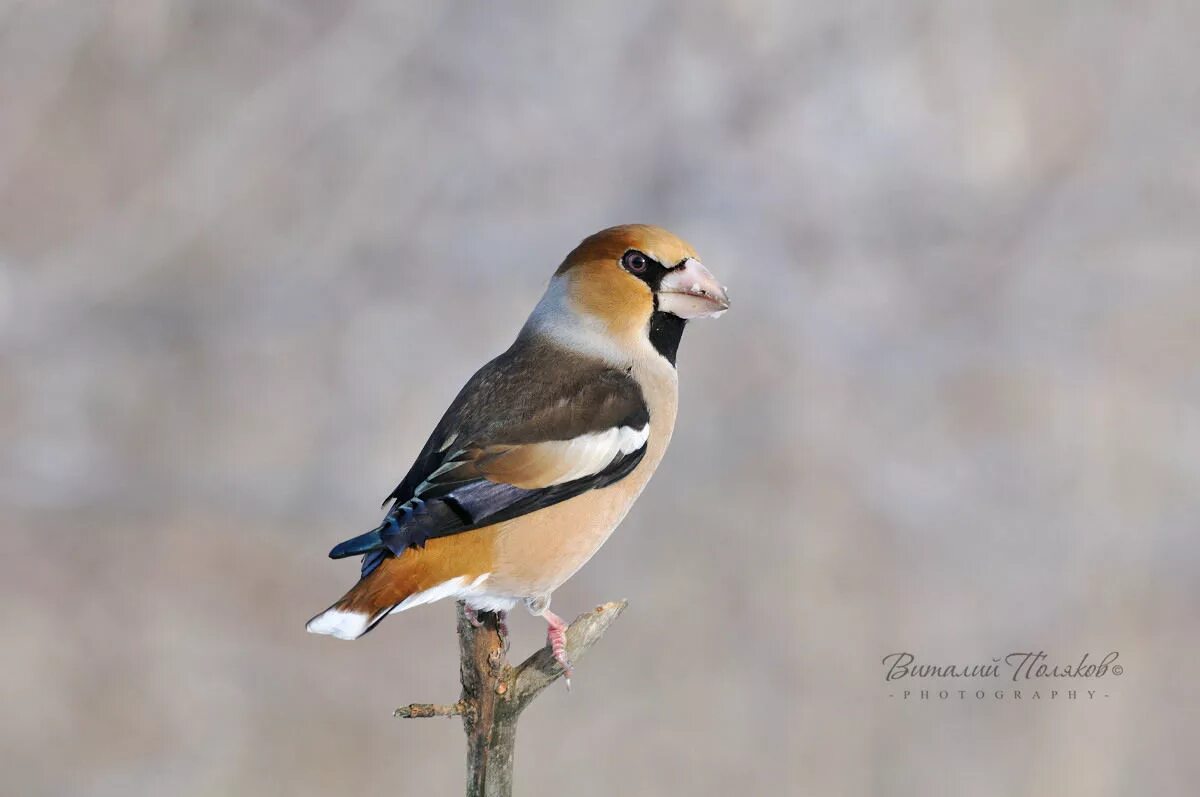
515, 445
535, 466
512, 400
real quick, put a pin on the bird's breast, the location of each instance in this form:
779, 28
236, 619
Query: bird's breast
536, 553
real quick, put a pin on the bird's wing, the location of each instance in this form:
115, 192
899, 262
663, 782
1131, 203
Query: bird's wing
521, 436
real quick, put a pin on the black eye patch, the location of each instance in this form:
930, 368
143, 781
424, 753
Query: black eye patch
645, 268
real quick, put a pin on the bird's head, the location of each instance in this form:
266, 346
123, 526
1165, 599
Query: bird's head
639, 282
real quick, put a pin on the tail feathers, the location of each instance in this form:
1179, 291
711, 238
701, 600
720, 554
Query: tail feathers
370, 600
344, 621
363, 543
450, 568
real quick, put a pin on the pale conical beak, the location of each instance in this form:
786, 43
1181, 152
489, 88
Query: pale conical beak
691, 291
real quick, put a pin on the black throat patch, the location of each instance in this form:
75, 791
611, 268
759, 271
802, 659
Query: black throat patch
666, 329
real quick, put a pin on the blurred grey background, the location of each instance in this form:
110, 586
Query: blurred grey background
250, 250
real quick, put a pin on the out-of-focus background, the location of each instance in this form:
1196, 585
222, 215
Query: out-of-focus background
250, 251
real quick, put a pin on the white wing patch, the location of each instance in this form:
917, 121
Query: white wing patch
591, 453
565, 460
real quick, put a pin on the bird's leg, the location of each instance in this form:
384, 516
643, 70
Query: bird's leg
556, 632
556, 635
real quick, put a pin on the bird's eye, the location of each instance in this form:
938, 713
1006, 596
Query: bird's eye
635, 262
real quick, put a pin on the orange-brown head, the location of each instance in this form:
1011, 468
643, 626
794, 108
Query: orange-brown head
637, 281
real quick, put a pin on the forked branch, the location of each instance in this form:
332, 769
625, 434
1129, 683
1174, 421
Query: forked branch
495, 693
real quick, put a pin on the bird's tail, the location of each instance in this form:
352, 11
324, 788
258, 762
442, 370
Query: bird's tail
370, 600
446, 567
363, 543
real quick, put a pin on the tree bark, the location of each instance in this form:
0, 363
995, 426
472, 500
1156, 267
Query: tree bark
495, 693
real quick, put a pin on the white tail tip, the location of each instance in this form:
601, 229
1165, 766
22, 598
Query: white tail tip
339, 623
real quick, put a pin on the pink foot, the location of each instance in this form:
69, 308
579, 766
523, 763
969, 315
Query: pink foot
556, 636
472, 617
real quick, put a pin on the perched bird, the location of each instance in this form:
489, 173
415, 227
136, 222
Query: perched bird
544, 451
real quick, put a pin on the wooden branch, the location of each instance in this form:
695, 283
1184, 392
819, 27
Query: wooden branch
430, 710
541, 669
494, 693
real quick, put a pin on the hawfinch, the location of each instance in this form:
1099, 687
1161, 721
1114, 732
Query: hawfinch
546, 448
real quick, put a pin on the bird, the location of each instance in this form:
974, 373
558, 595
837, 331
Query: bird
546, 448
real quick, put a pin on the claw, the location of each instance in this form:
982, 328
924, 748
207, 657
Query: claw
556, 637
